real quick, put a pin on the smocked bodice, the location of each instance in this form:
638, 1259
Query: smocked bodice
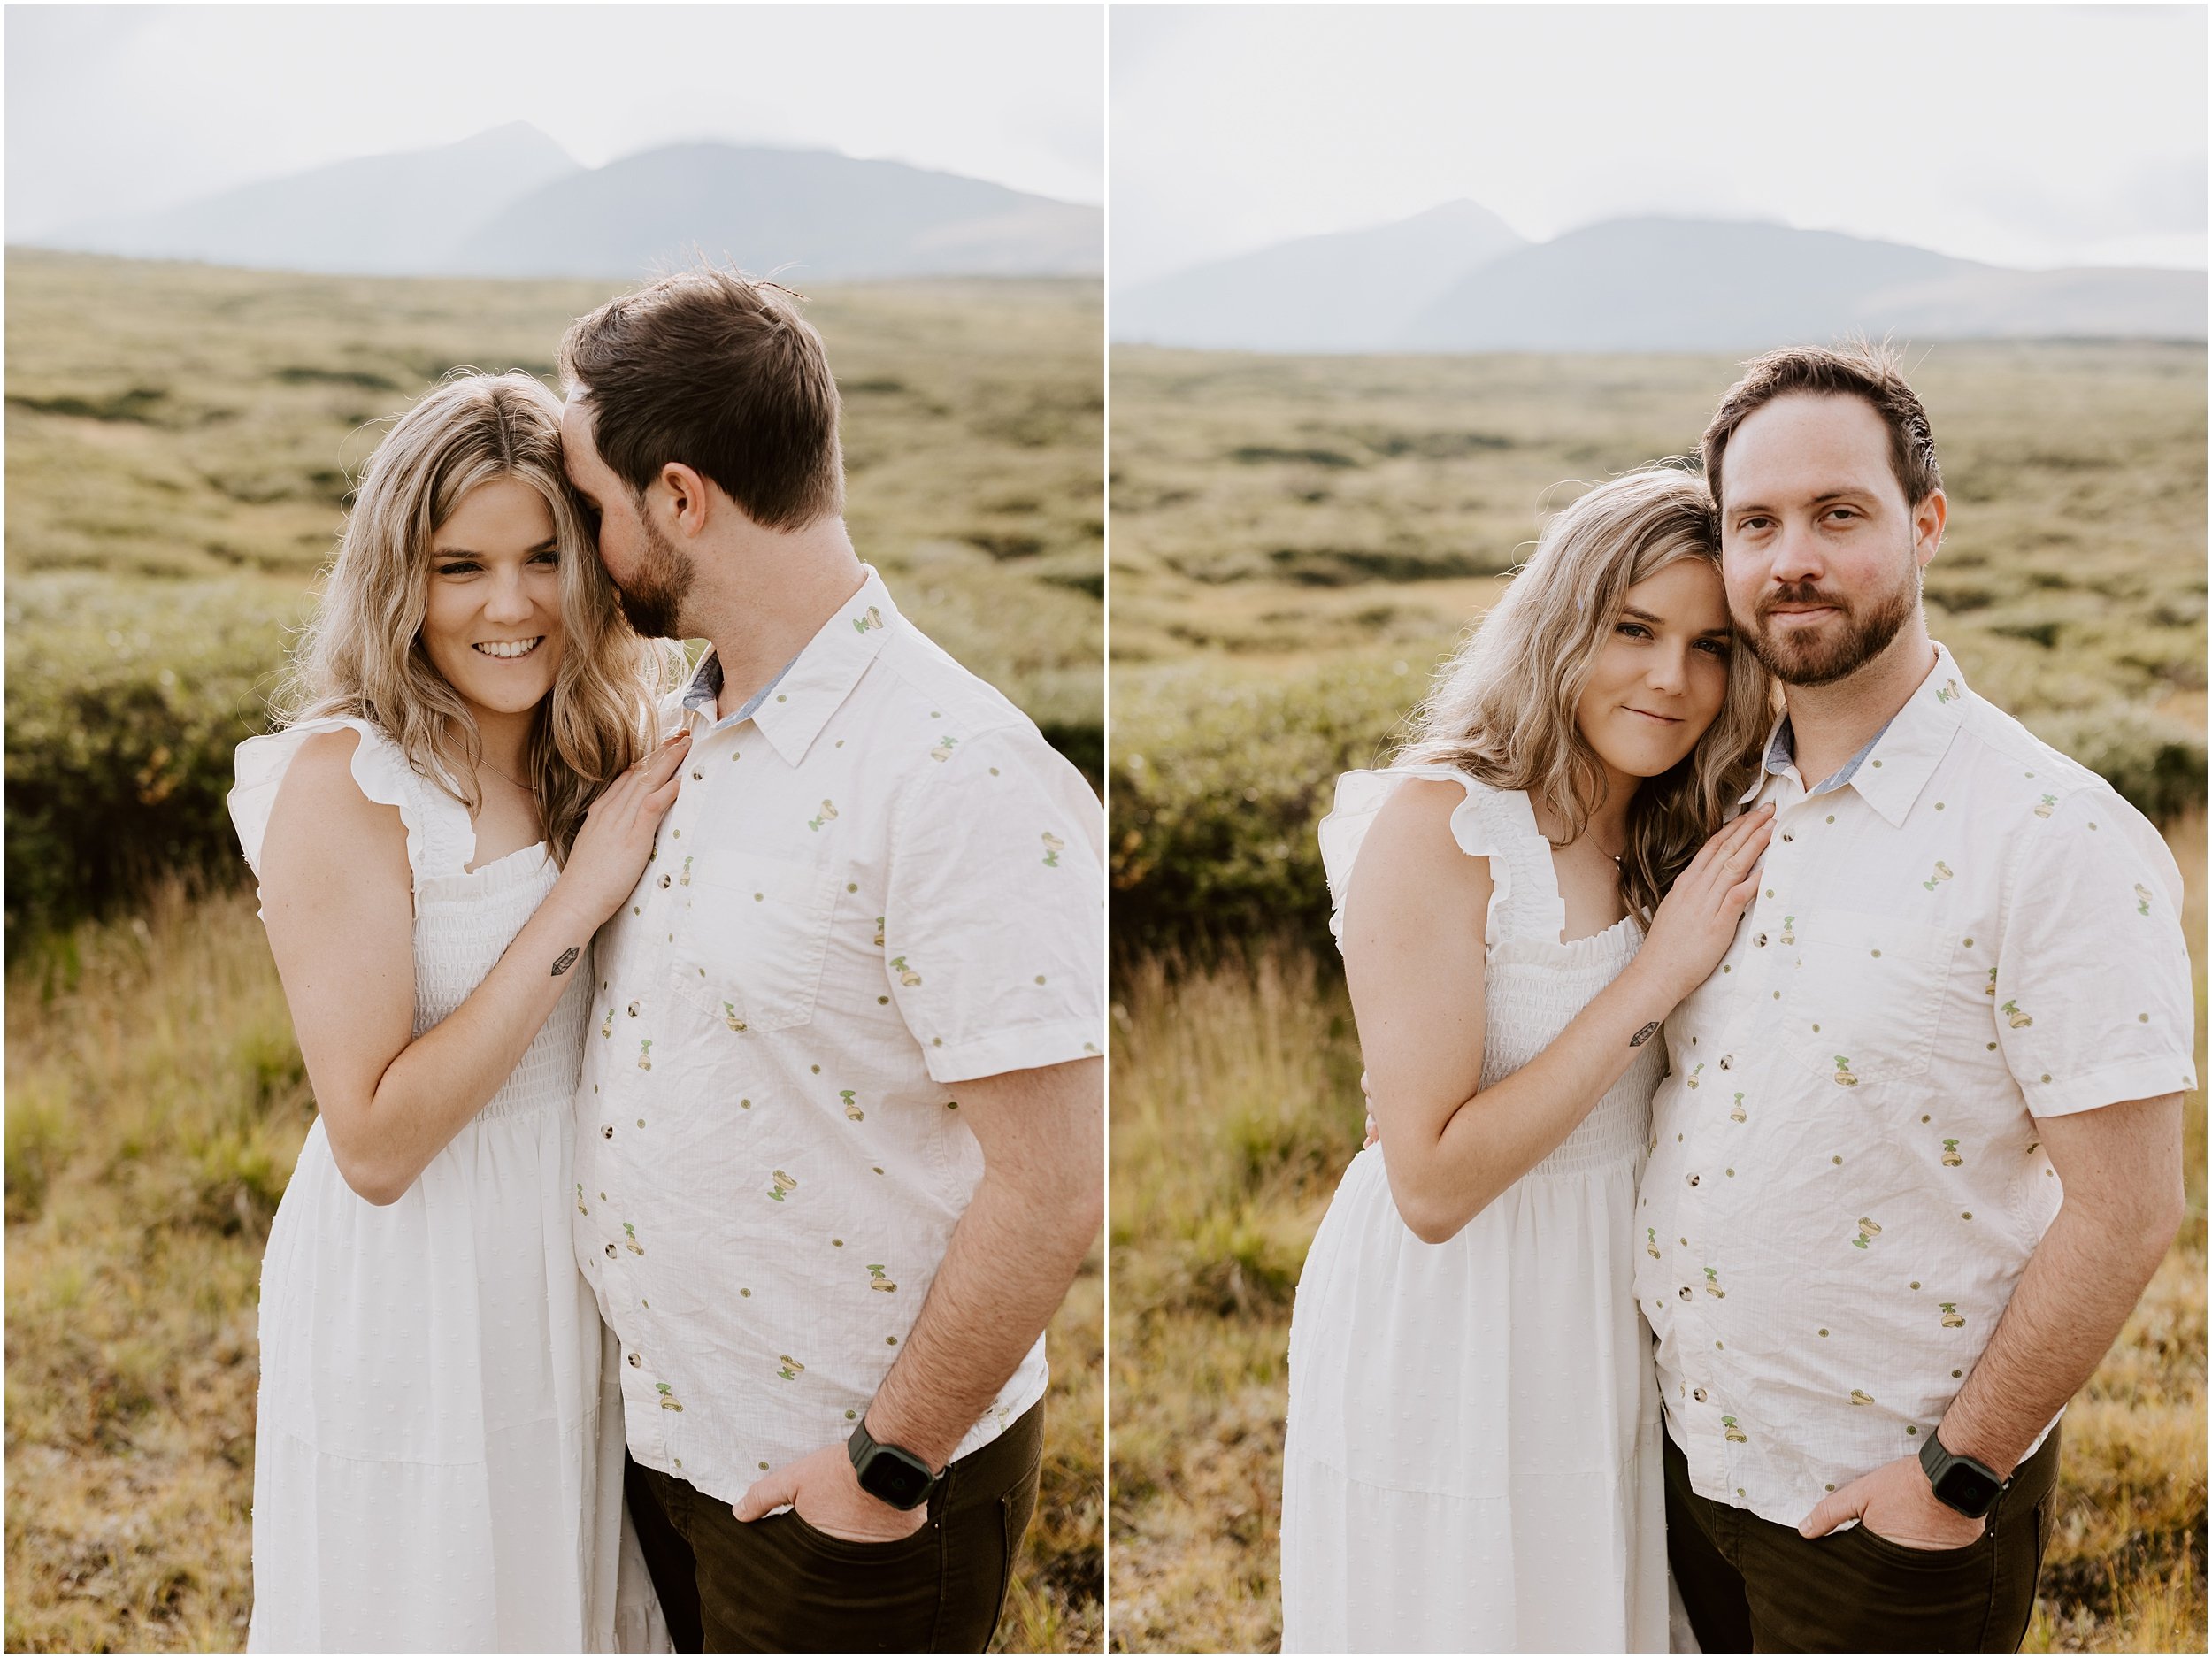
1533, 984
464, 919
464, 924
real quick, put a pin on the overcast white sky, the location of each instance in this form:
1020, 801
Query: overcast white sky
2035, 136
116, 109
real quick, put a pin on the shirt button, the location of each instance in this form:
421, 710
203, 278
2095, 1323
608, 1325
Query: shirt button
1685, 1291
634, 1007
609, 1252
635, 1361
665, 879
696, 776
1692, 1177
1761, 940
1698, 1393
1727, 1061
606, 1131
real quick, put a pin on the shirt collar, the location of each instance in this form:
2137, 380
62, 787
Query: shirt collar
1891, 770
704, 695
1782, 757
814, 684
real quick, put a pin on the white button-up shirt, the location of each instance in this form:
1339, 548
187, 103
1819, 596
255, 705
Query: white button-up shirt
1845, 1182
879, 884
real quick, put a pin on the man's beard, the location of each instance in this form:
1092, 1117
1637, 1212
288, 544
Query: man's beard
653, 597
1802, 659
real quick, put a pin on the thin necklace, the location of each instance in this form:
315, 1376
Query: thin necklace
496, 772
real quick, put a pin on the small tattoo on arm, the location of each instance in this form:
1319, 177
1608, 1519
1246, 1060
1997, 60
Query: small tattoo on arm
1636, 1040
569, 956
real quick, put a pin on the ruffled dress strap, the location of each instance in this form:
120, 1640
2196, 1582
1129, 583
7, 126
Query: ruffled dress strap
1493, 823
441, 840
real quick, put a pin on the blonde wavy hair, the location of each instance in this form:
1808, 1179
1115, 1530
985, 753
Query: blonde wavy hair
1503, 709
362, 653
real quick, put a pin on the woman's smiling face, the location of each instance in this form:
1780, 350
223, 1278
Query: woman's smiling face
493, 624
1662, 672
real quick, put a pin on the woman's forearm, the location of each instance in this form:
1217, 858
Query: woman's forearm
445, 1076
1442, 1180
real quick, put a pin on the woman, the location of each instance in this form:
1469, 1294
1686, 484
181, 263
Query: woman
460, 792
1473, 1459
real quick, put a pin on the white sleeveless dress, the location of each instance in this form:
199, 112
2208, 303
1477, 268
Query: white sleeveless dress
1473, 1451
438, 1460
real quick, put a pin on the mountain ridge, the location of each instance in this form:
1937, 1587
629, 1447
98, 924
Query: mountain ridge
1665, 283
509, 201
367, 215
1345, 291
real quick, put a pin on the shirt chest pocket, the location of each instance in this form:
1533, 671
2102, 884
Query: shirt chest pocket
752, 937
1865, 997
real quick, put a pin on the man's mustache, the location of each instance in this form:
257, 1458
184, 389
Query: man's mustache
1799, 593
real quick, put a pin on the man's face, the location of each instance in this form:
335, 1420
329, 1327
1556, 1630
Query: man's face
650, 574
1821, 554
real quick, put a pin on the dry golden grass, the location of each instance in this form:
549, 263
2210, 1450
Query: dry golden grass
1236, 1106
156, 1105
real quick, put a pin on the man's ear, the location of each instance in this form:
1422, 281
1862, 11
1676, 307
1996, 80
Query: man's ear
1928, 519
680, 493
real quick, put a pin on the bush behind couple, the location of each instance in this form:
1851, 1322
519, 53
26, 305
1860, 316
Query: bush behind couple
1863, 1099
742, 1087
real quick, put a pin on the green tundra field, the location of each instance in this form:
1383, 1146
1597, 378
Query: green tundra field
1297, 541
180, 441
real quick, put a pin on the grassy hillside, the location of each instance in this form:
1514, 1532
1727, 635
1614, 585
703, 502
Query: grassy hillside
1267, 508
181, 440
1297, 541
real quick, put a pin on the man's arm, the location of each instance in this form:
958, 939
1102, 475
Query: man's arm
1010, 1259
1006, 1265
2121, 1167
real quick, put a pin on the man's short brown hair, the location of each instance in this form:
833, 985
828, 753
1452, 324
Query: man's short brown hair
1871, 372
721, 373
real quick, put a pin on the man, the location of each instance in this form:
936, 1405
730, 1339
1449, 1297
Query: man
1921, 1146
839, 1121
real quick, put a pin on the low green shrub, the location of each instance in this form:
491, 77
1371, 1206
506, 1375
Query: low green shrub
127, 699
1216, 786
1220, 777
125, 703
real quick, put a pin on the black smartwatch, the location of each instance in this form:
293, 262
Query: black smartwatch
887, 1473
1960, 1482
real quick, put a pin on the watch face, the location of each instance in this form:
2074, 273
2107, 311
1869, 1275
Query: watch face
893, 1478
1967, 1489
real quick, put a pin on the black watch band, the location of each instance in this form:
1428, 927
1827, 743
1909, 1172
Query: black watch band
1961, 1482
889, 1473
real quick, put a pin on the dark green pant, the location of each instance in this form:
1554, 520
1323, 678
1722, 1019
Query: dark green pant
777, 1585
1751, 1585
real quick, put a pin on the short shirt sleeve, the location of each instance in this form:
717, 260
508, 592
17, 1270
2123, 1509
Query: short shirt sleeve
2095, 1001
995, 912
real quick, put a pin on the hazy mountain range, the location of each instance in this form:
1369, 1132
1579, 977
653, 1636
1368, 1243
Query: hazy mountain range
1457, 279
511, 202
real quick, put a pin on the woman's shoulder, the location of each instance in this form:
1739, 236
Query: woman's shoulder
343, 771
323, 769
1412, 797
1429, 823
